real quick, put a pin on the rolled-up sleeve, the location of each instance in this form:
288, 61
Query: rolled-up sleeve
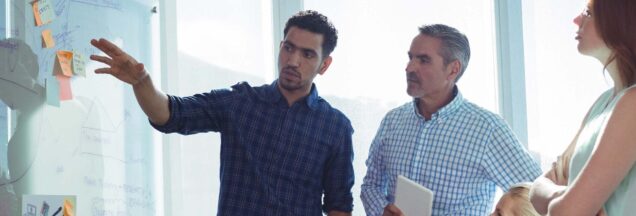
339, 175
198, 113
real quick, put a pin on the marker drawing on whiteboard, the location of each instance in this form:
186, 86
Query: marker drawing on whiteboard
58, 211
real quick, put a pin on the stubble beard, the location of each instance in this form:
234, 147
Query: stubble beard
290, 85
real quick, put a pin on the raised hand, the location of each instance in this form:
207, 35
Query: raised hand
122, 66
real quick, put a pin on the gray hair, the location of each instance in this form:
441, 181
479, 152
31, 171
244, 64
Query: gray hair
455, 45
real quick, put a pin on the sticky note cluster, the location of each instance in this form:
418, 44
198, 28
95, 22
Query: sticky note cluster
44, 13
67, 65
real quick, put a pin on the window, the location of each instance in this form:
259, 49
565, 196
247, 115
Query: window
219, 45
367, 76
561, 84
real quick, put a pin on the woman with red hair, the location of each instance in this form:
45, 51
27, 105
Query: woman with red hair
601, 178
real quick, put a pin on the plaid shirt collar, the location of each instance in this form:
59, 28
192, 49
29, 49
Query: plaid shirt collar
274, 95
447, 109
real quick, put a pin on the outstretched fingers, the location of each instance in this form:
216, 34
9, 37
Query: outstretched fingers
107, 47
104, 71
119, 63
102, 59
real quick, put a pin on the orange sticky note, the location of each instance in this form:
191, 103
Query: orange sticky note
36, 13
65, 87
68, 208
47, 39
63, 63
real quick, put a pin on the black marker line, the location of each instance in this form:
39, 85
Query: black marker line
58, 211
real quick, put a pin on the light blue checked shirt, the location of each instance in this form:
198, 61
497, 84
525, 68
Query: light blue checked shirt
461, 154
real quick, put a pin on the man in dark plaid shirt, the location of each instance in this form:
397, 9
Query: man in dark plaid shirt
283, 147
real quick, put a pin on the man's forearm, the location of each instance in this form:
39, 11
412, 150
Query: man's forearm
152, 101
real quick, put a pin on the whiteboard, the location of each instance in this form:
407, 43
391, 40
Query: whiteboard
97, 146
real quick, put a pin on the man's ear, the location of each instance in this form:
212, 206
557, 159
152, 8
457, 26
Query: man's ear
455, 67
325, 64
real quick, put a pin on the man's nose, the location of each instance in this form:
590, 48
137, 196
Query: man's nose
409, 67
294, 59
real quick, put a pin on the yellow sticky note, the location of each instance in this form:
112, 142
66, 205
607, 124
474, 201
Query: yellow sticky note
63, 63
47, 12
43, 12
47, 39
79, 64
68, 208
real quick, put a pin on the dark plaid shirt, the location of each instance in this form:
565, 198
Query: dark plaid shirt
276, 159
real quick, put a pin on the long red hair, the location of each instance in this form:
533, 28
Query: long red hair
616, 23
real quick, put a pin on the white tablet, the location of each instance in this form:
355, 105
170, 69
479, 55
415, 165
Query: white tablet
412, 198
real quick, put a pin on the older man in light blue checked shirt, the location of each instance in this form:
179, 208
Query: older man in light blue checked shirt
455, 148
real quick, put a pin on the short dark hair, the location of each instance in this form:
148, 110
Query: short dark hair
455, 44
315, 22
